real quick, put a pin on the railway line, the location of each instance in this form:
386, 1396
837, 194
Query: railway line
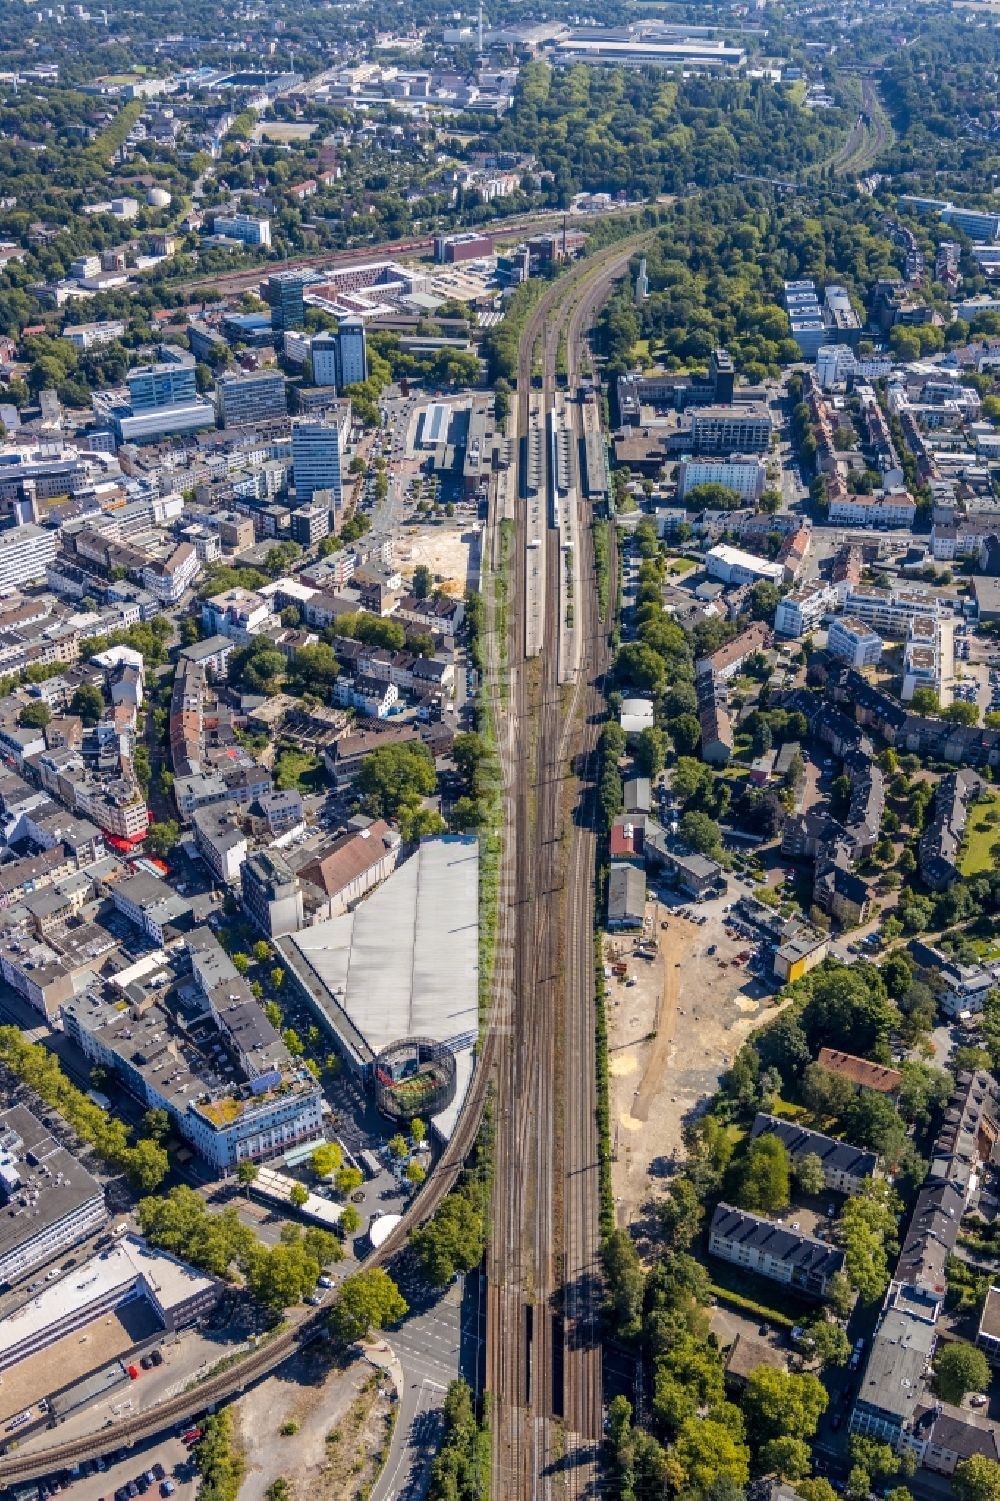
252, 276
543, 1346
544, 1353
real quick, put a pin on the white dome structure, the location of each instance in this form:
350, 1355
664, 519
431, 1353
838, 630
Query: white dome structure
158, 198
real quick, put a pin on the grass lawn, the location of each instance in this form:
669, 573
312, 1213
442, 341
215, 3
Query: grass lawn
680, 565
980, 837
298, 769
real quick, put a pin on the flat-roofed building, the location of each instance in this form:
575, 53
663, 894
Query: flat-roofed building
50, 1202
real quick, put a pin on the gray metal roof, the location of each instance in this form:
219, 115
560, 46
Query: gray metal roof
405, 962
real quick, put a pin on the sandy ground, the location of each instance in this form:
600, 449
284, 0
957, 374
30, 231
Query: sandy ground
448, 549
317, 1397
671, 1036
283, 130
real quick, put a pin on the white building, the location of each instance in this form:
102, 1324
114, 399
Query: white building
239, 614
243, 227
744, 474
168, 580
318, 453
25, 553
896, 509
802, 609
851, 641
732, 566
923, 657
890, 611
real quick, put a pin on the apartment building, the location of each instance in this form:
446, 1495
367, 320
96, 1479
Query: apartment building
272, 894
743, 428
726, 662
891, 510
889, 611
802, 609
773, 1251
846, 1168
25, 554
243, 227
850, 640
746, 476
168, 580
50, 1201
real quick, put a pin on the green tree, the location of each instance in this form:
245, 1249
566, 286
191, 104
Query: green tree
326, 1159
163, 837
156, 1124
418, 1131
787, 1457
395, 776
650, 751
246, 1173
350, 1219
829, 1342
764, 1181
778, 1403
701, 832
298, 1195
711, 1449
977, 1479
368, 1300
423, 581
809, 1174
958, 1369
88, 702
347, 1180
35, 715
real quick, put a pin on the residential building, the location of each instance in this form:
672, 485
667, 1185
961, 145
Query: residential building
941, 840
50, 1201
889, 611
774, 1251
861, 1072
220, 841
271, 893
310, 524
988, 1333
801, 609
850, 640
893, 1380
251, 396
238, 614
889, 510
846, 1168
746, 476
727, 660
168, 580
243, 227
25, 554
319, 456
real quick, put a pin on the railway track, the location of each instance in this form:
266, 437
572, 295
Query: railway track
536, 1047
252, 276
543, 1345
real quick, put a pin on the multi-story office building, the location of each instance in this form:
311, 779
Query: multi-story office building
163, 385
50, 1201
744, 428
163, 422
25, 553
243, 227
978, 226
353, 352
251, 396
283, 293
271, 893
325, 353
318, 456
851, 641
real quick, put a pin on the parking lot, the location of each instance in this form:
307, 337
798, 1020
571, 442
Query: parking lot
164, 1467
